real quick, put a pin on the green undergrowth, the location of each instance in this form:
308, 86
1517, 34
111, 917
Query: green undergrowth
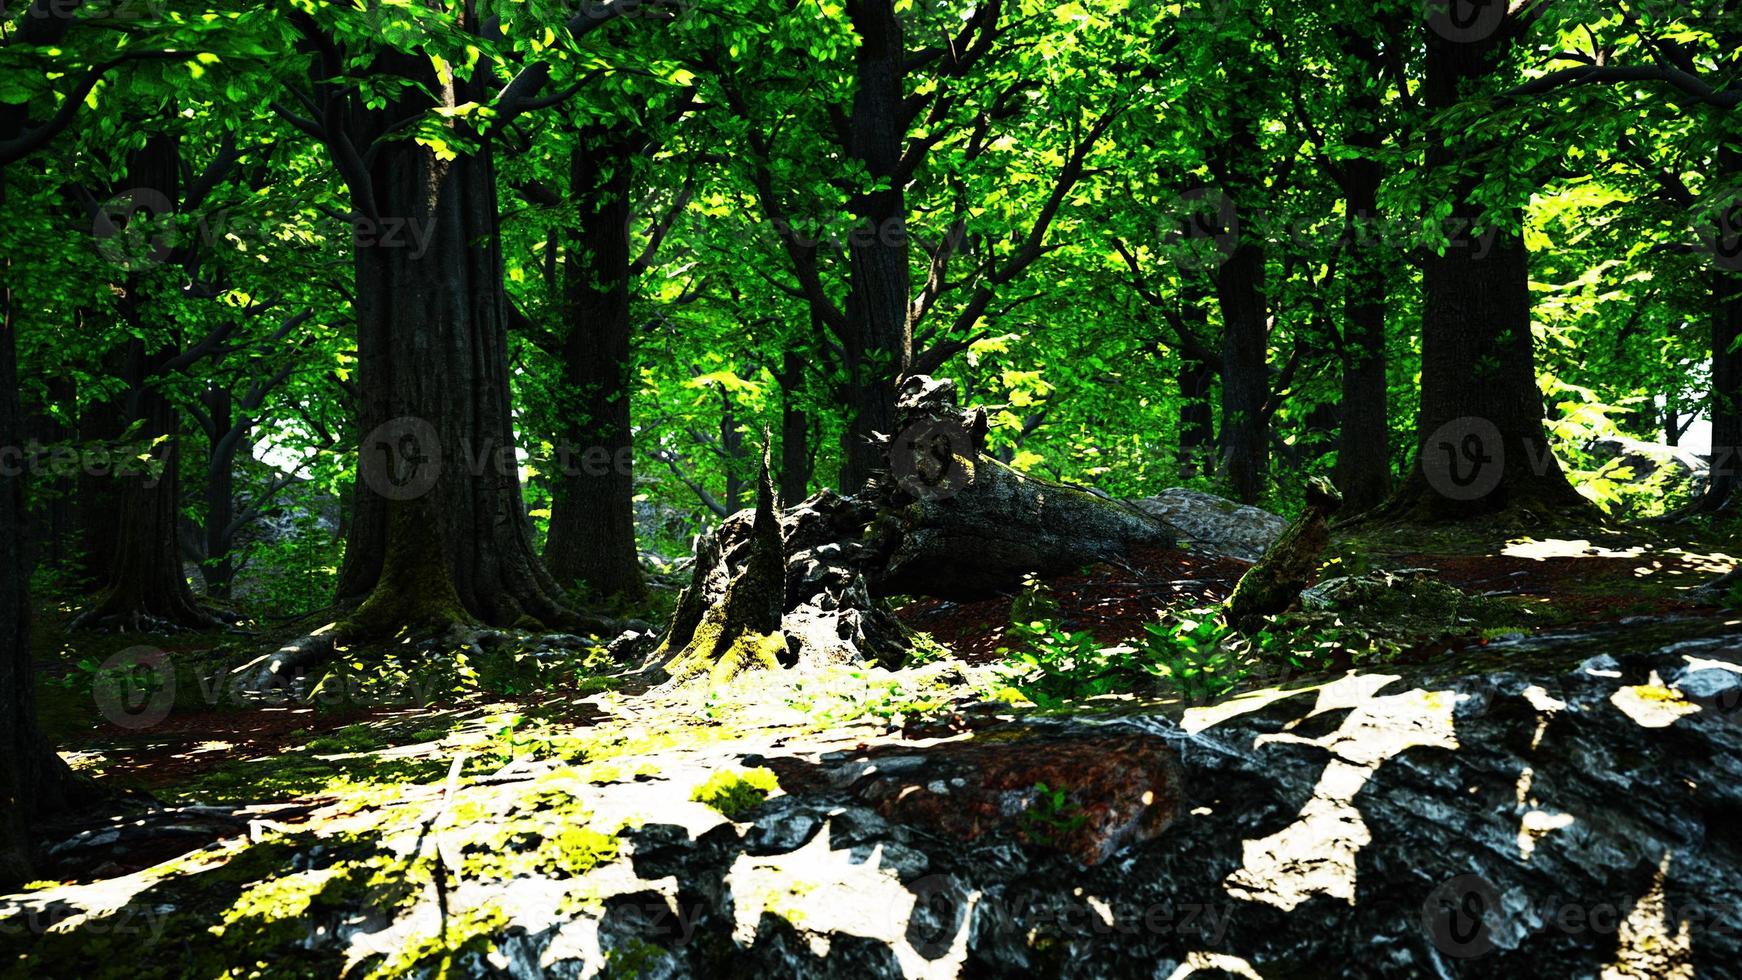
1195, 655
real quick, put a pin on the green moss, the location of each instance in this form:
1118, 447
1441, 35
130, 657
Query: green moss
297, 774
351, 738
735, 791
415, 591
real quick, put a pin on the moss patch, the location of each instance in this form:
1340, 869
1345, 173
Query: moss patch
734, 792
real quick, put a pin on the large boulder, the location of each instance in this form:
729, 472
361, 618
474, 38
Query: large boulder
1089, 796
1651, 470
1214, 524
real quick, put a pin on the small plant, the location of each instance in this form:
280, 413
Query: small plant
1050, 665
1191, 656
735, 791
1033, 602
1051, 815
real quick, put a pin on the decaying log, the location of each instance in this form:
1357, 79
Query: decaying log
942, 520
1273, 585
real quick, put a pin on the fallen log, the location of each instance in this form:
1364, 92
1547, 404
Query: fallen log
942, 520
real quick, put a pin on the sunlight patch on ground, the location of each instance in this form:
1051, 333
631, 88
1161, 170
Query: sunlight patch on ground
1316, 854
1646, 946
823, 890
1546, 548
1652, 705
1537, 824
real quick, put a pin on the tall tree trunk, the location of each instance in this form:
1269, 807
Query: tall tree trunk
220, 491
97, 503
1245, 371
592, 519
51, 515
145, 586
880, 346
440, 532
1363, 472
1240, 292
795, 430
1726, 404
1197, 415
33, 779
1481, 444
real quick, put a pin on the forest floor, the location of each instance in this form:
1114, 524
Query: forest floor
241, 779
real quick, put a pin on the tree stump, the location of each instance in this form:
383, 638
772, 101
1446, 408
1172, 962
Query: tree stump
1273, 585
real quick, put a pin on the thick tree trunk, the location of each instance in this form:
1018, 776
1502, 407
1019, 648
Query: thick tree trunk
1245, 372
880, 343
1726, 318
98, 502
51, 526
145, 587
1363, 472
592, 520
33, 779
1240, 291
440, 532
795, 429
1482, 448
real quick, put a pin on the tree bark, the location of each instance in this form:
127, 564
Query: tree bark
33, 779
795, 427
1197, 415
51, 519
879, 345
220, 492
1245, 371
1726, 319
98, 502
145, 587
1481, 445
592, 520
440, 532
1363, 473
1240, 291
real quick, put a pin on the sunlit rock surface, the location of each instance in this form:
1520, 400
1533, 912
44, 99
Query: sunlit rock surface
1567, 806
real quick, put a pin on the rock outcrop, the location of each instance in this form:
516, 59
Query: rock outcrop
1563, 805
